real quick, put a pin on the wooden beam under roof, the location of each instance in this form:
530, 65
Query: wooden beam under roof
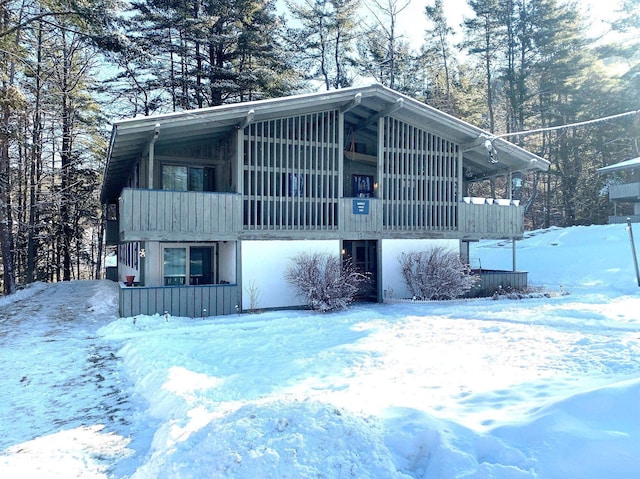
357, 99
399, 103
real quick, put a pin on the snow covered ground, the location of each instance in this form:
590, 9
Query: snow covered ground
544, 387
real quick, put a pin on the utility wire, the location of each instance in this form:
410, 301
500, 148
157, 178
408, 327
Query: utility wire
552, 128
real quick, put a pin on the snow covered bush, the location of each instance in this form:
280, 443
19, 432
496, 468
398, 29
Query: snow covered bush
325, 281
438, 273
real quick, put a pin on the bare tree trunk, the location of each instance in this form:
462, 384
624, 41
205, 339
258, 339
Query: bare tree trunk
65, 158
6, 222
387, 20
20, 187
489, 77
34, 167
6, 236
199, 63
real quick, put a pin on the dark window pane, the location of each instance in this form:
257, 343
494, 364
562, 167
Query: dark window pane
200, 266
196, 179
174, 177
175, 266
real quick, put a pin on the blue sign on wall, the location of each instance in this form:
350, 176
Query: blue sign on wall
360, 207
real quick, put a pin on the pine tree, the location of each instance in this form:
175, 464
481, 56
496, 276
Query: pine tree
324, 43
12, 103
202, 53
537, 62
438, 48
627, 52
48, 123
384, 53
483, 33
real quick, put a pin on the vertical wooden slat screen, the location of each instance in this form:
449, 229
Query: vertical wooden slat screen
291, 172
419, 178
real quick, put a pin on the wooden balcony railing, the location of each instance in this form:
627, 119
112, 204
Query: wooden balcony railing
622, 219
490, 221
628, 191
186, 301
178, 215
191, 216
360, 215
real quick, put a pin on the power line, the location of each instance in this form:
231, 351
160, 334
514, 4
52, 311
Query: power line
570, 125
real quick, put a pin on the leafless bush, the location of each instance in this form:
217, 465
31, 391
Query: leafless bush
438, 273
325, 281
255, 295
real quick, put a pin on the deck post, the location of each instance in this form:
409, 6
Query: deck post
633, 250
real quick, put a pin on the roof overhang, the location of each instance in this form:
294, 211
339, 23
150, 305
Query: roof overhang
362, 106
629, 164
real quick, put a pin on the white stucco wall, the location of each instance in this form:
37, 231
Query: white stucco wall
391, 279
264, 264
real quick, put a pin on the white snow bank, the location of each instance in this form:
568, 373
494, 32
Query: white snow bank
104, 300
84, 452
593, 434
578, 257
277, 440
22, 294
540, 388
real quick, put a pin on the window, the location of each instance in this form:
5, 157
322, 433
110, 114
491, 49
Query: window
188, 178
191, 265
296, 184
200, 265
175, 266
362, 186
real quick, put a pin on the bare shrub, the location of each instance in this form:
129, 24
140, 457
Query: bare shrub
325, 281
255, 295
438, 273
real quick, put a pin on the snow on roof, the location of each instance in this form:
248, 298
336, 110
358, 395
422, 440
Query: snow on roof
623, 165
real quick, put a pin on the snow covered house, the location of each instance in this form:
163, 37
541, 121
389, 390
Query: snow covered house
208, 206
624, 188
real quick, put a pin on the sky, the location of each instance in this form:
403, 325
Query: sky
413, 21
540, 386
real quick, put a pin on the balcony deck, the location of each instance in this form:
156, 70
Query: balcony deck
184, 301
155, 215
170, 215
491, 220
625, 192
623, 219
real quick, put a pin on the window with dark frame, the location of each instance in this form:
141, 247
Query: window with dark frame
189, 265
362, 186
188, 178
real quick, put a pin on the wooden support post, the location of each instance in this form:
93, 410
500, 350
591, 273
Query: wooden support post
150, 151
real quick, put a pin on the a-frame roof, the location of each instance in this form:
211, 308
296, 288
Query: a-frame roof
130, 138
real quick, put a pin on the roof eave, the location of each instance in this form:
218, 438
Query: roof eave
198, 122
628, 164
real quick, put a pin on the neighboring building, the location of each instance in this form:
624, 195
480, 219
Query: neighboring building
207, 206
624, 188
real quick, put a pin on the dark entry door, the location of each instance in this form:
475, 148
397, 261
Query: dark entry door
364, 255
